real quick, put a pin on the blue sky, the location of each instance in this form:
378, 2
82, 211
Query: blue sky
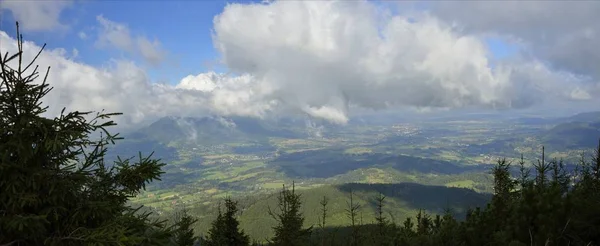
182, 27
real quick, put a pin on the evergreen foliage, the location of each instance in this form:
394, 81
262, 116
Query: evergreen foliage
55, 188
323, 219
225, 228
289, 231
183, 233
352, 213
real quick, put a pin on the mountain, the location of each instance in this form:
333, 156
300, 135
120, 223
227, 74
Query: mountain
572, 135
212, 130
582, 117
539, 120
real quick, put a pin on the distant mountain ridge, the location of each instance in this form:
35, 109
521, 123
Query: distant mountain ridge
578, 131
572, 135
588, 117
211, 130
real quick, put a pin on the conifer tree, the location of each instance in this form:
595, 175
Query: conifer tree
323, 218
55, 187
383, 225
225, 229
183, 232
381, 221
288, 230
352, 214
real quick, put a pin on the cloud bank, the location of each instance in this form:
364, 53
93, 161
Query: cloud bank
37, 15
327, 58
321, 57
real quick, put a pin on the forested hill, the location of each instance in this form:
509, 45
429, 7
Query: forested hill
403, 200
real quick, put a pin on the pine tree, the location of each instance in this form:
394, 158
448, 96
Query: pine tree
184, 233
55, 188
225, 228
288, 230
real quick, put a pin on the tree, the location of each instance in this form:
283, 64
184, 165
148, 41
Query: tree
183, 232
288, 230
352, 213
55, 187
381, 237
323, 218
225, 228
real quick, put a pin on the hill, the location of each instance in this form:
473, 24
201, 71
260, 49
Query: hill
582, 117
572, 135
403, 200
326, 163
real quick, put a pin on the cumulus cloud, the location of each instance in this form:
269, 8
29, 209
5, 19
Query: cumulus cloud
566, 34
232, 95
118, 35
322, 57
34, 15
318, 58
120, 87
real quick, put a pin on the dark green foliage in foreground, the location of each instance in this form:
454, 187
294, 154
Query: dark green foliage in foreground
225, 228
183, 232
544, 206
55, 188
289, 231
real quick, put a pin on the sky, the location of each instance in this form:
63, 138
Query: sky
328, 60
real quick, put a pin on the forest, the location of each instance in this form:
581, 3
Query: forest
56, 189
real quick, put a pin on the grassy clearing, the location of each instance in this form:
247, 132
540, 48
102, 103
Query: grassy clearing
461, 184
273, 185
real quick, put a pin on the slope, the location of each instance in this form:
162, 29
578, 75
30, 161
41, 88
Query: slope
403, 200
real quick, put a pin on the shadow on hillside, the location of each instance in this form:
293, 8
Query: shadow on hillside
169, 180
428, 197
131, 148
328, 163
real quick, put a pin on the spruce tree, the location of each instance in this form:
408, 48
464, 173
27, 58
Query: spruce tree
381, 237
225, 228
288, 230
55, 187
322, 220
352, 214
183, 232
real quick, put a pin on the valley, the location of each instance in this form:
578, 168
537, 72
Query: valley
254, 160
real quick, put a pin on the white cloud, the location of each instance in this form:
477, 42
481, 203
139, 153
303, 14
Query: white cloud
151, 51
319, 58
114, 34
322, 57
35, 15
121, 87
124, 87
118, 35
563, 33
